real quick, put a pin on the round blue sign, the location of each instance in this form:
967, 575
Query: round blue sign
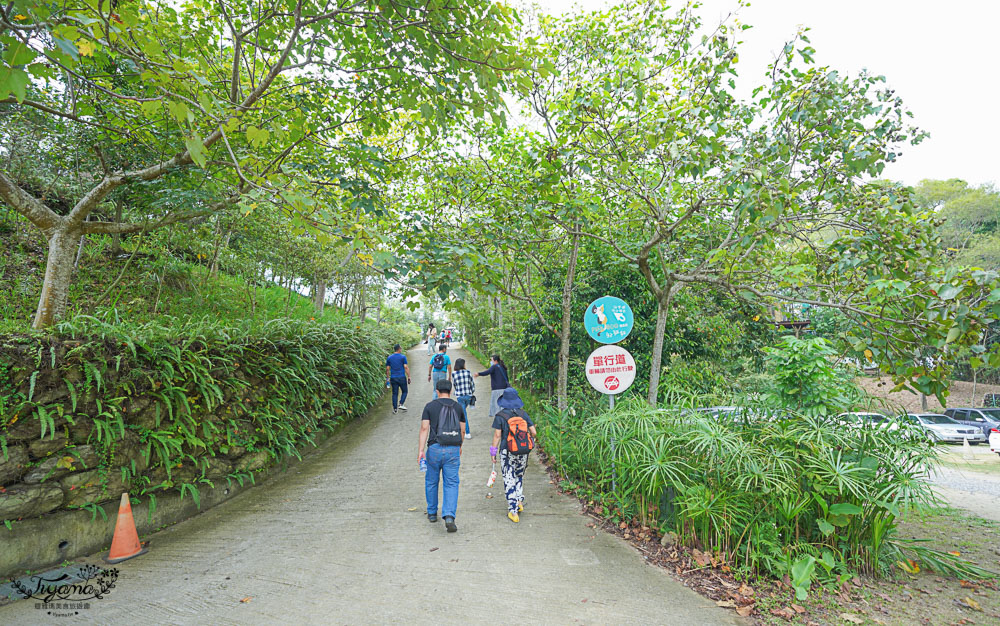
608, 319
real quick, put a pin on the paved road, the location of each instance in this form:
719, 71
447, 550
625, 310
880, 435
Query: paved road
971, 483
342, 539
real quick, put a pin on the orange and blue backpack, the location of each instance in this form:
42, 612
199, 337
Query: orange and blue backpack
519, 439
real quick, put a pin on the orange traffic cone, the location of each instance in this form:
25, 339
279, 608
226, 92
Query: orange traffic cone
125, 543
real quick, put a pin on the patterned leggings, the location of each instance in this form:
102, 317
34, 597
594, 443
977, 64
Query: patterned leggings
513, 466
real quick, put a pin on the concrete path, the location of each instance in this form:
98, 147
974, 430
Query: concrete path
342, 538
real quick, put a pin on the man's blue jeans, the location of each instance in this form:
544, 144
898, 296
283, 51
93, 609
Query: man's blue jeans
442, 462
399, 384
435, 377
464, 401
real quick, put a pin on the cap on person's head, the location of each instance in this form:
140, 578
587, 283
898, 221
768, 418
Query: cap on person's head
444, 385
510, 399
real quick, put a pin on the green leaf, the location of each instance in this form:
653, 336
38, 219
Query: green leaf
67, 47
845, 508
13, 81
17, 52
825, 527
257, 136
180, 112
196, 148
953, 334
949, 292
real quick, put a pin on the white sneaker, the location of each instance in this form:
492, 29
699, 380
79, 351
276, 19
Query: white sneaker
468, 435
402, 408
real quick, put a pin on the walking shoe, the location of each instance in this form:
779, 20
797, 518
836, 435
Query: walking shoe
402, 407
468, 435
449, 523
520, 507
513, 517
432, 517
394, 411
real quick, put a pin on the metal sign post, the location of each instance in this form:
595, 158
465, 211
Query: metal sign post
610, 369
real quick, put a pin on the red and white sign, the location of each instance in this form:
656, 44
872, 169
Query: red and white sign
610, 369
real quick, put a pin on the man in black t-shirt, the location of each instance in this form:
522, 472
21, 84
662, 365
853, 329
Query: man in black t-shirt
443, 461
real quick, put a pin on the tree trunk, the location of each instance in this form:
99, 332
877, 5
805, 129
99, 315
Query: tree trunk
319, 295
116, 239
58, 275
975, 374
79, 251
656, 362
562, 380
219, 246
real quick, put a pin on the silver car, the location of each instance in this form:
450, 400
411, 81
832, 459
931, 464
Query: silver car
943, 428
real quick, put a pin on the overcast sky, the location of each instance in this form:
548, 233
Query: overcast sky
940, 57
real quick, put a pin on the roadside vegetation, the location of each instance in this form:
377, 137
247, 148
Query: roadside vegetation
216, 218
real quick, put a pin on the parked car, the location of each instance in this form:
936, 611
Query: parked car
984, 419
943, 428
995, 440
860, 419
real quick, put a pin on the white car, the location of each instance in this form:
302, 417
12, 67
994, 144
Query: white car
859, 419
995, 440
943, 428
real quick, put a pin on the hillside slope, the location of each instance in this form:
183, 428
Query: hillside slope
961, 394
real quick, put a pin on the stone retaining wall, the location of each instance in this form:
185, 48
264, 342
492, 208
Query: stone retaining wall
83, 422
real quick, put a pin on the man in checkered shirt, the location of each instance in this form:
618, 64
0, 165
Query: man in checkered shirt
463, 388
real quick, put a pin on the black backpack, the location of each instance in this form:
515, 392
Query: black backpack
449, 432
438, 361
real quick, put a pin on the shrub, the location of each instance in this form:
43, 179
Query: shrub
184, 395
794, 495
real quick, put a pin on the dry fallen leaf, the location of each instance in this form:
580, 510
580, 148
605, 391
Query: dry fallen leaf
784, 612
726, 604
433, 549
797, 608
972, 604
746, 590
701, 558
412, 509
246, 599
852, 618
623, 525
745, 611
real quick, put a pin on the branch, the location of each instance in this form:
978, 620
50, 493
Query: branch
110, 183
120, 228
54, 111
28, 205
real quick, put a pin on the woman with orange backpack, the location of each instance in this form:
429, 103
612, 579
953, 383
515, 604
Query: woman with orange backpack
513, 437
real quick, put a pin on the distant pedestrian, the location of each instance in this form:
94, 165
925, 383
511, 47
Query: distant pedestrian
497, 372
439, 367
431, 340
440, 443
514, 437
464, 388
397, 370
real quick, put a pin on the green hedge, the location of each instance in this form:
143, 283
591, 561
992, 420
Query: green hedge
176, 407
